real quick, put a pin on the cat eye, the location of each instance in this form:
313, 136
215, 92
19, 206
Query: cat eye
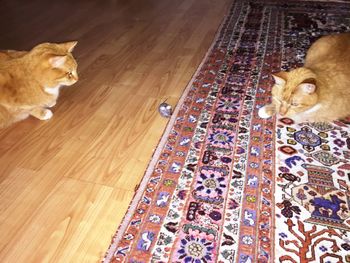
70, 75
294, 104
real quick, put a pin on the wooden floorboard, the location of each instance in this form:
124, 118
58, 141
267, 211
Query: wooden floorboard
66, 183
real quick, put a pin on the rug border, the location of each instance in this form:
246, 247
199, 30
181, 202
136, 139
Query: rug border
156, 154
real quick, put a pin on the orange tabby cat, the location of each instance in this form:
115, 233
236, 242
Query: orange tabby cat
30, 81
319, 91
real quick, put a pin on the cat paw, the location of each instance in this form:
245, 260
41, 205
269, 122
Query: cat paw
41, 113
51, 104
47, 114
264, 113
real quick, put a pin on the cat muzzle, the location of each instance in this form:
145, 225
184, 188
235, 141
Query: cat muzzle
283, 110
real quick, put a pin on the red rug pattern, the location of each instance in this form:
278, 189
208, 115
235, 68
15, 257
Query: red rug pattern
227, 186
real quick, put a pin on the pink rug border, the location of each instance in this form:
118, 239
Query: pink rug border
143, 184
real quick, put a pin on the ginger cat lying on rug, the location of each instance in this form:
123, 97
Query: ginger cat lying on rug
30, 81
319, 91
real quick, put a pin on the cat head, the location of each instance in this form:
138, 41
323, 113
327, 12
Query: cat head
294, 91
53, 64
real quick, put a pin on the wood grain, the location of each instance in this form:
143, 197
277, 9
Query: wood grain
66, 183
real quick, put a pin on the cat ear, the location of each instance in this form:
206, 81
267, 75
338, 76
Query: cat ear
280, 78
57, 61
70, 45
308, 86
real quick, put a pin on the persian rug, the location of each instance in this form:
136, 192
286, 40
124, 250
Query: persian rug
227, 186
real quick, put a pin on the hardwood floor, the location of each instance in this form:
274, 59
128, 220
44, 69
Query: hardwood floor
65, 184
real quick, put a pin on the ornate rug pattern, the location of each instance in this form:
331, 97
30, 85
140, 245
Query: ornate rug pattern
227, 186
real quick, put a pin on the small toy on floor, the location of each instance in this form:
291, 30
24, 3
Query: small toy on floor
165, 109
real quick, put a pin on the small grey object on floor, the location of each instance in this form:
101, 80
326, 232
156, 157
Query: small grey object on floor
165, 110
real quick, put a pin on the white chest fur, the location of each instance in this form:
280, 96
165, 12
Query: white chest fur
53, 91
313, 109
310, 113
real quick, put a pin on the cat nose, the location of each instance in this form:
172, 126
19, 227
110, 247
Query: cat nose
74, 78
283, 110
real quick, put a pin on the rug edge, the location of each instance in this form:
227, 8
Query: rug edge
156, 154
